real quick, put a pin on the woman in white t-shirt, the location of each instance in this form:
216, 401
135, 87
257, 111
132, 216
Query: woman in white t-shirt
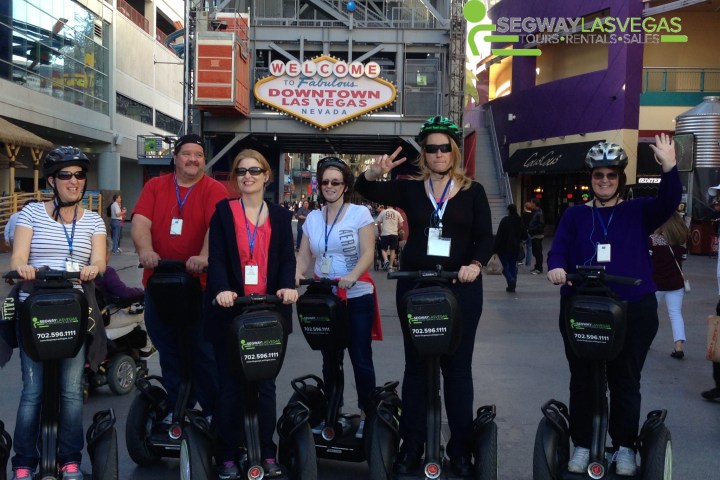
62, 235
341, 238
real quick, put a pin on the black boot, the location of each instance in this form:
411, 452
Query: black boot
511, 287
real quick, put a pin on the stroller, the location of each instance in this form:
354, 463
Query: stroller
127, 345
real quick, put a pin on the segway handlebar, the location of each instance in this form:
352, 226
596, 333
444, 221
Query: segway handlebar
320, 281
167, 265
597, 273
45, 274
255, 298
417, 274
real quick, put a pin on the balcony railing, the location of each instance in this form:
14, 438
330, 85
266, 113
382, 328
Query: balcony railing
136, 17
657, 79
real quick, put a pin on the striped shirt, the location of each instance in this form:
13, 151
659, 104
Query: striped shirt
50, 245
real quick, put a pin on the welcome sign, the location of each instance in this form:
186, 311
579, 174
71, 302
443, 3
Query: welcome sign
325, 92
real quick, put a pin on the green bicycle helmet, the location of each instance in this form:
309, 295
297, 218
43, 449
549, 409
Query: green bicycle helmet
440, 124
606, 154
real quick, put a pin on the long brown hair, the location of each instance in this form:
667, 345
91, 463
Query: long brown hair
674, 230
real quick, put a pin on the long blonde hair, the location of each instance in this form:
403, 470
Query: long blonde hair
674, 230
457, 172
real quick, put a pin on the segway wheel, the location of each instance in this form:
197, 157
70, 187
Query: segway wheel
299, 456
195, 454
102, 446
543, 468
485, 452
121, 374
381, 447
141, 418
657, 456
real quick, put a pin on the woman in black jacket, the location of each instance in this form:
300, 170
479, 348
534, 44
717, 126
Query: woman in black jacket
510, 234
250, 251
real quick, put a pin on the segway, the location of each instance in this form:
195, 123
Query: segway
177, 296
53, 322
313, 415
595, 324
257, 342
431, 321
5, 449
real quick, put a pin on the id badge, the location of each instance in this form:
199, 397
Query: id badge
176, 226
251, 275
603, 252
438, 246
325, 264
71, 266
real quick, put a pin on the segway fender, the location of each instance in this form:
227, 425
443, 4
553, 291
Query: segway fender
5, 448
294, 415
555, 440
485, 415
388, 406
102, 446
655, 419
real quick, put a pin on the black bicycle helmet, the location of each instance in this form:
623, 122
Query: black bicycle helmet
63, 157
344, 168
440, 124
606, 154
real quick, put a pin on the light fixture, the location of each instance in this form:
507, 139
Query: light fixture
511, 117
275, 138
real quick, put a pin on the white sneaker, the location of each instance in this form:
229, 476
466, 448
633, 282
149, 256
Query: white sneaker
625, 463
579, 461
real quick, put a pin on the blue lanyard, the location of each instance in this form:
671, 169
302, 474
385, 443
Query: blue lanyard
70, 238
251, 239
443, 198
602, 222
327, 233
181, 203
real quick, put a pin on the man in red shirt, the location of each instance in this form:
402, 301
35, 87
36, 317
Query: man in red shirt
171, 221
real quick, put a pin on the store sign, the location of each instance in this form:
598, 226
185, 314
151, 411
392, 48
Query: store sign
647, 180
325, 92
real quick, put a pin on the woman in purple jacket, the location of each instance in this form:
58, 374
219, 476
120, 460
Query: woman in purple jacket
613, 232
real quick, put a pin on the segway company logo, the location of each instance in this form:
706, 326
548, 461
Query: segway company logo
47, 322
567, 30
575, 325
245, 345
415, 320
313, 318
325, 92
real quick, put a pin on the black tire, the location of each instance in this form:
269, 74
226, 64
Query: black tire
121, 374
196, 454
381, 447
139, 423
105, 457
541, 469
485, 452
657, 455
299, 456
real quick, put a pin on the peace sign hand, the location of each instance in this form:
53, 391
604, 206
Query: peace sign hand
383, 165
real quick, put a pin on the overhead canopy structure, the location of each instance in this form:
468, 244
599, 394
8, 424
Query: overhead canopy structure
14, 139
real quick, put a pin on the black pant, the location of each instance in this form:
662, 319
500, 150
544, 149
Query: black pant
537, 253
457, 377
716, 374
623, 375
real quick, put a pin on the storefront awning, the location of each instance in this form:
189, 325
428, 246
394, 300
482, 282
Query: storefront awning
564, 158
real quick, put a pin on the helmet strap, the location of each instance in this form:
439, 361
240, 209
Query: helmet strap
60, 204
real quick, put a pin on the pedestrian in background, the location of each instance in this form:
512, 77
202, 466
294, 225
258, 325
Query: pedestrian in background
117, 217
301, 214
668, 249
526, 216
510, 234
536, 231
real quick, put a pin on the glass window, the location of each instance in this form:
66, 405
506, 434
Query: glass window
168, 123
58, 48
137, 111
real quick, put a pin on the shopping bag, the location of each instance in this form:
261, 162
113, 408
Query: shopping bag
494, 266
713, 338
687, 286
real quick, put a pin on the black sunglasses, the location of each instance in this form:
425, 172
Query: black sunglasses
334, 183
433, 148
609, 176
65, 175
254, 171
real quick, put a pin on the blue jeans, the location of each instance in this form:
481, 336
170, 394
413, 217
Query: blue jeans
299, 237
510, 268
70, 429
165, 337
528, 251
115, 230
362, 314
457, 378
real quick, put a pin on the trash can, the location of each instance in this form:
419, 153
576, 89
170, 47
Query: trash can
703, 240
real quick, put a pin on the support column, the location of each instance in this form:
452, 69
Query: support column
109, 171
